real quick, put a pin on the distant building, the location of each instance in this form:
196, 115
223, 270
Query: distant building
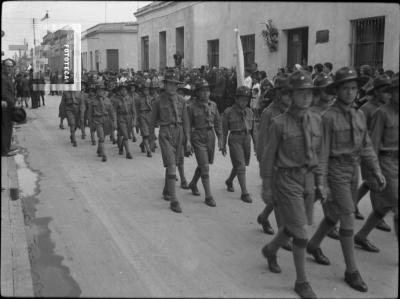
308, 32
50, 54
110, 46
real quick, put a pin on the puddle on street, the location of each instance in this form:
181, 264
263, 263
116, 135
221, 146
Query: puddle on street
50, 277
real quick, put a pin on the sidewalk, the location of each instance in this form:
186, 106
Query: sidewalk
16, 278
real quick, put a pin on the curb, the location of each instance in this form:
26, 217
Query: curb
16, 277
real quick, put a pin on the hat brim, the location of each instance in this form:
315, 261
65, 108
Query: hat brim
361, 81
173, 81
390, 87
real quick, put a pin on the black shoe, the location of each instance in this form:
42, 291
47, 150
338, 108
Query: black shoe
358, 215
383, 226
175, 206
333, 234
93, 142
272, 263
129, 156
246, 198
288, 246
210, 201
74, 144
319, 257
142, 148
104, 159
83, 136
166, 195
267, 228
365, 244
149, 154
184, 185
229, 186
304, 290
355, 281
120, 151
61, 127
194, 189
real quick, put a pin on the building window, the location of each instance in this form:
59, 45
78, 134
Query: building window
145, 53
367, 41
91, 60
213, 52
248, 45
97, 59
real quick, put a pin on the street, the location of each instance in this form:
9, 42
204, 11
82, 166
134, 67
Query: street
99, 229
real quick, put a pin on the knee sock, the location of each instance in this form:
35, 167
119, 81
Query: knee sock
242, 181
324, 227
196, 176
232, 175
347, 244
369, 225
205, 179
171, 186
181, 170
165, 182
299, 258
126, 145
281, 238
266, 212
362, 190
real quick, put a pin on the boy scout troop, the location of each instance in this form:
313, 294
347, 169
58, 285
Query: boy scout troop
309, 145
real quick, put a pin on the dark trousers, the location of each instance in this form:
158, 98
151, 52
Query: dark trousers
35, 97
6, 130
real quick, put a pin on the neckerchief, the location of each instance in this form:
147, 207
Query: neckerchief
304, 123
352, 116
173, 99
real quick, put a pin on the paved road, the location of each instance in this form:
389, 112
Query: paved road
111, 235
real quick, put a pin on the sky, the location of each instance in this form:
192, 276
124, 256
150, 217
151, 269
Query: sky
17, 16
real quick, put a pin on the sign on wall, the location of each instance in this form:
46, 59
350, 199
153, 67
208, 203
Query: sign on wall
322, 36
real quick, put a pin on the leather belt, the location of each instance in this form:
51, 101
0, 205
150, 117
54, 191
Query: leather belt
242, 132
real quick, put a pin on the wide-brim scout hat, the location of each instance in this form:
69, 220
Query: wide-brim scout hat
394, 83
201, 83
8, 62
243, 91
321, 81
186, 88
172, 76
282, 83
346, 74
379, 82
301, 80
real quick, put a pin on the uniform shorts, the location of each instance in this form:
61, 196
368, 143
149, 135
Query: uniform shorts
124, 124
144, 120
343, 180
239, 149
388, 198
170, 139
295, 193
203, 142
72, 116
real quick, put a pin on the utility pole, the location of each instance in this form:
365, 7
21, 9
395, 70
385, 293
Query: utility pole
34, 44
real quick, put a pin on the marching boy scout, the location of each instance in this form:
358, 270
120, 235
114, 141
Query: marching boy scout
345, 140
144, 107
385, 139
322, 101
292, 148
170, 112
91, 99
379, 97
126, 118
239, 121
204, 120
280, 104
70, 106
102, 116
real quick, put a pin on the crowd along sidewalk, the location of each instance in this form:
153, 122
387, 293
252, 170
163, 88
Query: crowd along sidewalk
16, 277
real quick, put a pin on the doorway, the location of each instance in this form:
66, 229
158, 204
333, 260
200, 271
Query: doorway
297, 47
145, 53
162, 36
180, 37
